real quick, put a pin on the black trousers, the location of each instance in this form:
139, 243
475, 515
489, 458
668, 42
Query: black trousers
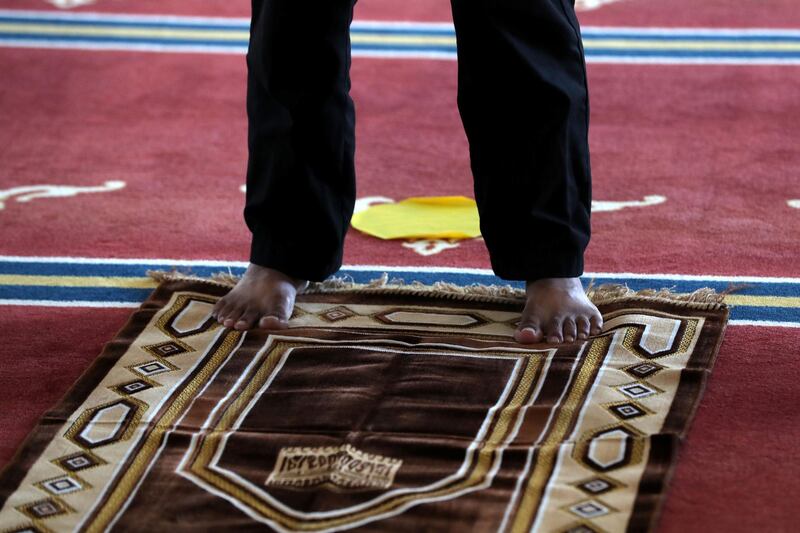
523, 101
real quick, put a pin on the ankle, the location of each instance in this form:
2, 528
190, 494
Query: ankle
564, 282
273, 273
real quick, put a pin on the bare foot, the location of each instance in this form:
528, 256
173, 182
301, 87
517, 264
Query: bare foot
557, 310
263, 296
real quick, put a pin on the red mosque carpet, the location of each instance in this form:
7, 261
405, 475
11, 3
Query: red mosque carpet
695, 173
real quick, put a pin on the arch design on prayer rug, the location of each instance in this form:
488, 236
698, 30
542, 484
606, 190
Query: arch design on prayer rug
396, 407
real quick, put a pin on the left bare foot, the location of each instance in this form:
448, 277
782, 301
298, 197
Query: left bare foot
557, 310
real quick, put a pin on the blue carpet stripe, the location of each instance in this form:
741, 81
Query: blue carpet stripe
72, 294
38, 268
111, 295
35, 268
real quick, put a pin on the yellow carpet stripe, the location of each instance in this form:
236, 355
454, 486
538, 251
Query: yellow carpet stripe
104, 31
762, 301
194, 34
78, 281
377, 38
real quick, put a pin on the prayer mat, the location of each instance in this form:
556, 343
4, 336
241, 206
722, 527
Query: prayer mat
384, 407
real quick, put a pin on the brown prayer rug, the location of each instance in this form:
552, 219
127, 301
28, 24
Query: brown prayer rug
383, 408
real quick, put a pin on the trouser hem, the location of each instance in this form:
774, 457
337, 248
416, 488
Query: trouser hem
268, 253
544, 265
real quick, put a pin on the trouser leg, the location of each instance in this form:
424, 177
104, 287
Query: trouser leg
523, 101
301, 135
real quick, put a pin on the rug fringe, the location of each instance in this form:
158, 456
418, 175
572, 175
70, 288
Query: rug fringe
702, 298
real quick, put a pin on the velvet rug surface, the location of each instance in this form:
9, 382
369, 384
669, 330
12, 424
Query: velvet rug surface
382, 408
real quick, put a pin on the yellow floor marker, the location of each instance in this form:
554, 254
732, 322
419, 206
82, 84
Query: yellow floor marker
431, 217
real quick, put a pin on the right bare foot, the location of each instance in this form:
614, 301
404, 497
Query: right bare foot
263, 296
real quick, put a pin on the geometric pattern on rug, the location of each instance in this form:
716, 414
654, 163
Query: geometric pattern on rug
400, 410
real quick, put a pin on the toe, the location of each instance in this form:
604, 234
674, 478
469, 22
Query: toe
278, 312
570, 329
247, 320
273, 322
528, 333
233, 316
553, 331
596, 324
222, 312
218, 307
583, 326
529, 328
